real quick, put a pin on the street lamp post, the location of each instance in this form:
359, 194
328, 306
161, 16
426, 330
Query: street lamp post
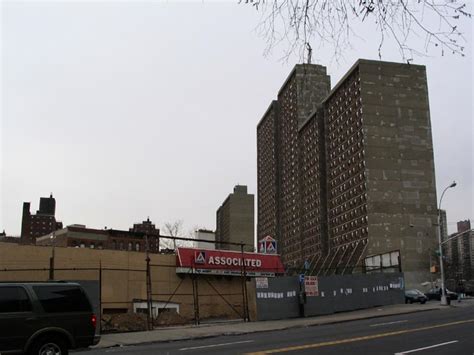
440, 246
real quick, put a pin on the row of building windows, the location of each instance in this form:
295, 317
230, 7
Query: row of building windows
83, 244
350, 87
351, 236
346, 206
345, 118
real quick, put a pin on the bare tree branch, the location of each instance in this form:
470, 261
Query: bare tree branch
332, 23
172, 229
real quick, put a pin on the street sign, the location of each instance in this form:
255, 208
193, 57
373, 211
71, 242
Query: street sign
306, 264
301, 277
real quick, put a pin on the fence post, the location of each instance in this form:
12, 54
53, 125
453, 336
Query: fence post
244, 285
195, 298
100, 296
51, 264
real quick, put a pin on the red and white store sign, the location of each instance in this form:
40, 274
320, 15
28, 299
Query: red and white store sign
220, 262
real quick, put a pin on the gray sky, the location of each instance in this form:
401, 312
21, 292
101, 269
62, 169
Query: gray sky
128, 110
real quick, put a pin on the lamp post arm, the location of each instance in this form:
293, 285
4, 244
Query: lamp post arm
457, 235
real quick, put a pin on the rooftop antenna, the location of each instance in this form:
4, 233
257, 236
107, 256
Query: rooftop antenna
310, 52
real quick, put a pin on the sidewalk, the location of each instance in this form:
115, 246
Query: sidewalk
236, 328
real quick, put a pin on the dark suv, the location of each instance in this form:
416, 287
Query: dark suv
45, 318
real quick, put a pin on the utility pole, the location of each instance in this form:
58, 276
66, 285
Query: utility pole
244, 285
444, 300
431, 265
148, 287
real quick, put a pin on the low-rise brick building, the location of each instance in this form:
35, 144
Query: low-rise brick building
79, 236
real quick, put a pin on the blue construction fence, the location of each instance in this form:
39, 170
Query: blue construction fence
303, 296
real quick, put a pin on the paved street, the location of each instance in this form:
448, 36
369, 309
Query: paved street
447, 331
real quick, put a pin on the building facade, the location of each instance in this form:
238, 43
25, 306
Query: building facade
41, 223
202, 235
4, 238
235, 220
465, 244
443, 224
348, 173
147, 228
79, 236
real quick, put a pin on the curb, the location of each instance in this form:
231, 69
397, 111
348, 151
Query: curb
294, 326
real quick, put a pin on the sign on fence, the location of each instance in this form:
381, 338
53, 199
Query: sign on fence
261, 282
311, 286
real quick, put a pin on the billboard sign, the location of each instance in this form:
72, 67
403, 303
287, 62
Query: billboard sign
224, 262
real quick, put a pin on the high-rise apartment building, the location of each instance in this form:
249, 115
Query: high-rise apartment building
450, 249
41, 223
285, 141
443, 224
465, 244
348, 173
235, 220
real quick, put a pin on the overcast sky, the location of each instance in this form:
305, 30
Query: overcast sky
129, 110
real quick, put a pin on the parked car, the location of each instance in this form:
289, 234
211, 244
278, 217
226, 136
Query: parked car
435, 294
44, 318
412, 296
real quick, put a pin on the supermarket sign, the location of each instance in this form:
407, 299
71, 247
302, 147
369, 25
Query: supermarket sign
224, 262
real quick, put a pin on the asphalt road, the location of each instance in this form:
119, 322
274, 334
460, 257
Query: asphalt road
448, 331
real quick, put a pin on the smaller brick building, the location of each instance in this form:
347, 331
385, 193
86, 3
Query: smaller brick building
79, 236
4, 238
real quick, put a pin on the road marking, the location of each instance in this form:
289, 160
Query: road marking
216, 345
426, 347
117, 349
351, 340
380, 324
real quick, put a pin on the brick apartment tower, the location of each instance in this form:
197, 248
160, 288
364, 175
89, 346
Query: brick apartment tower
235, 220
465, 246
41, 223
282, 214
347, 173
